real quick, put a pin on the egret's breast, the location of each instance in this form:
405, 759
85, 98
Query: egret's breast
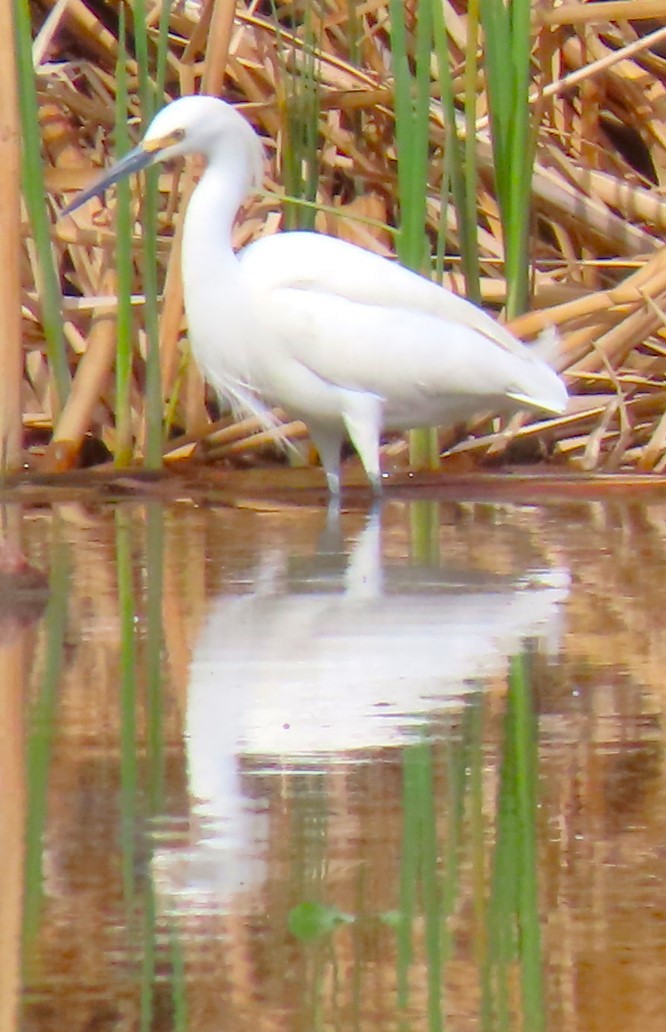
223, 327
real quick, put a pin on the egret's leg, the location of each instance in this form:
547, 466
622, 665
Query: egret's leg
362, 415
328, 442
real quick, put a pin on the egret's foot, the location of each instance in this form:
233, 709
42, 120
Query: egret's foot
333, 510
333, 482
378, 482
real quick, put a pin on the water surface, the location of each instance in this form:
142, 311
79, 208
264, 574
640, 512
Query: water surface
265, 769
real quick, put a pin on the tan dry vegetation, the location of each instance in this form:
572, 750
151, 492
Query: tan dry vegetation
599, 270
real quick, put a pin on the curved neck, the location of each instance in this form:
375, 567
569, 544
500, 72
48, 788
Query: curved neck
210, 216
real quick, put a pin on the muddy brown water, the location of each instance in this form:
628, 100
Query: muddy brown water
267, 770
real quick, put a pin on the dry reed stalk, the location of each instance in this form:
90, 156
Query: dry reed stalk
11, 347
599, 11
90, 384
598, 207
294, 430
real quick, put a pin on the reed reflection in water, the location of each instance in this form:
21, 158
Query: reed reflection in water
475, 796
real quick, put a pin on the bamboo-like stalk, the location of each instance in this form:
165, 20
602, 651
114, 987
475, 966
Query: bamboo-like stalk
11, 351
88, 386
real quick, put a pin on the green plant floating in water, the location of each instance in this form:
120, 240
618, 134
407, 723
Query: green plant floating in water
311, 920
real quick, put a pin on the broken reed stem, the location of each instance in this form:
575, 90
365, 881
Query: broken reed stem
91, 382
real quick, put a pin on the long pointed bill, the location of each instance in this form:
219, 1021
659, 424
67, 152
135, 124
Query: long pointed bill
133, 161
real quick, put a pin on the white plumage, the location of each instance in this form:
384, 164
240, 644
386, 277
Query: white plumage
341, 338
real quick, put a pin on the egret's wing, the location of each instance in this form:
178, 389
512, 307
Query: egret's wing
313, 262
409, 358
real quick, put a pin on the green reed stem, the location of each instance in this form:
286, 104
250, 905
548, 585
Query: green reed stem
41, 733
34, 192
461, 159
521, 713
147, 93
300, 103
154, 644
128, 700
123, 444
513, 915
507, 32
412, 128
470, 170
412, 119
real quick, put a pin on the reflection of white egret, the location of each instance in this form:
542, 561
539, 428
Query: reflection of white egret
319, 660
344, 339
291, 671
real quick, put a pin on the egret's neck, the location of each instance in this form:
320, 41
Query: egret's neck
207, 251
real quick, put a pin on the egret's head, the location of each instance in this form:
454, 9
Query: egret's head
190, 125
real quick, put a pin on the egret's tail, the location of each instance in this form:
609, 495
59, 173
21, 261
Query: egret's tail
539, 386
547, 345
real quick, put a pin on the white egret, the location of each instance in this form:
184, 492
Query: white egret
347, 341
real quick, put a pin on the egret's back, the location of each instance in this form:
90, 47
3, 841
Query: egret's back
360, 322
315, 262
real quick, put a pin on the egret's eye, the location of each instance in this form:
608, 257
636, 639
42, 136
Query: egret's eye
163, 142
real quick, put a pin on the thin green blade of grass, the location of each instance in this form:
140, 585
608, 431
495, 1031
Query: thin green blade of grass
521, 711
178, 978
470, 215
429, 852
409, 868
124, 352
153, 403
445, 189
501, 913
300, 104
154, 645
513, 915
473, 730
522, 146
424, 525
11, 328
42, 730
507, 29
141, 44
34, 192
412, 124
128, 702
154, 421
499, 86
456, 755
354, 33
148, 984
412, 117
460, 159
162, 53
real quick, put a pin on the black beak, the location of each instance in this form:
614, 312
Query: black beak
133, 161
